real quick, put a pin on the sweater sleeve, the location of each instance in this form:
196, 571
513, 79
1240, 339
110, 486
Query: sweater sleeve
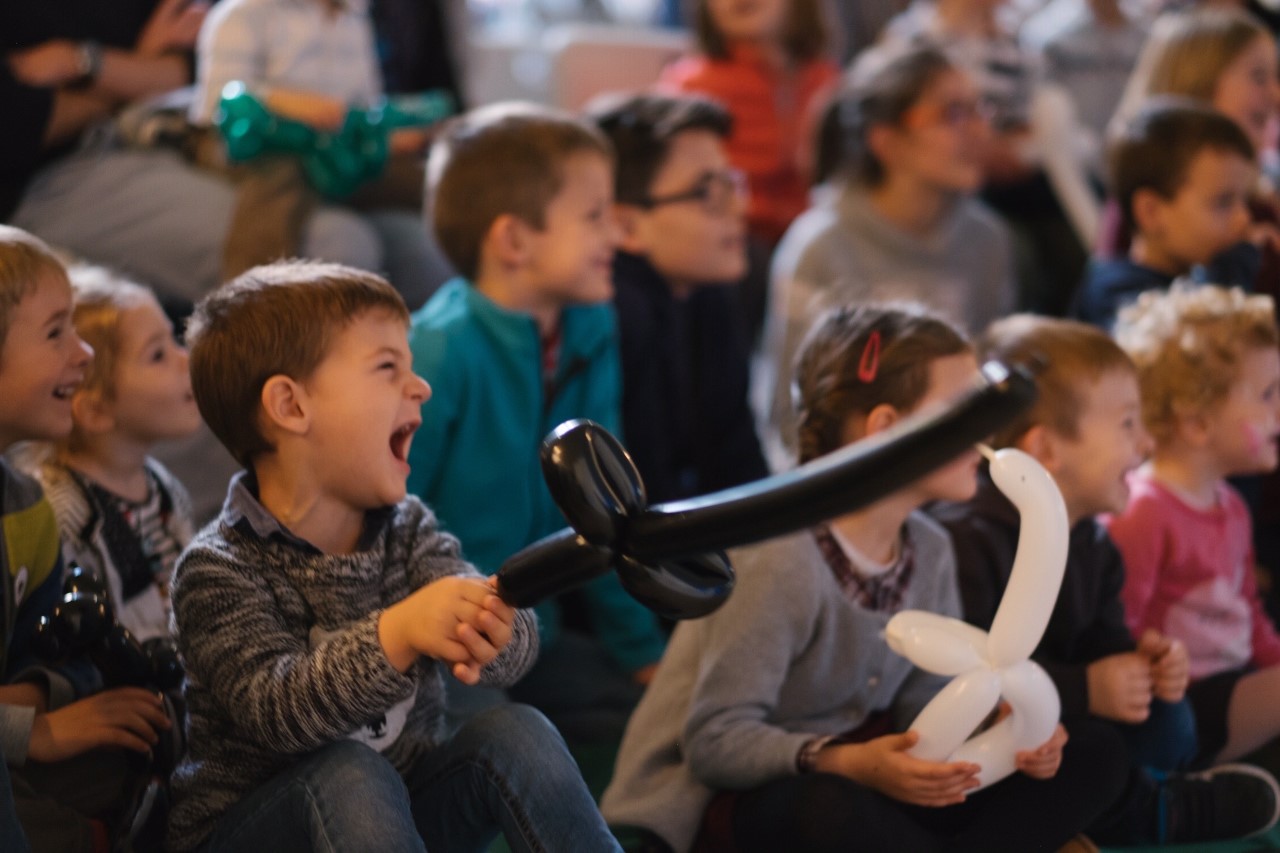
287, 695
729, 739
1139, 535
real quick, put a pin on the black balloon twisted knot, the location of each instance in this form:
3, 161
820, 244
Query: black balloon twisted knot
671, 557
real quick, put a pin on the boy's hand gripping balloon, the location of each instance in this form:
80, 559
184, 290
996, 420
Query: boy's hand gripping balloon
669, 556
988, 665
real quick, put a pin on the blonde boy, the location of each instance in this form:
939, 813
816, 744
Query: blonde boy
319, 615
62, 750
1086, 429
1210, 372
521, 200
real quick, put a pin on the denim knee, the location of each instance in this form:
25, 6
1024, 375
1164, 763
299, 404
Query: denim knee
1166, 740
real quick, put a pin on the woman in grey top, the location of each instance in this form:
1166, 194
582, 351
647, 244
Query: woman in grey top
904, 150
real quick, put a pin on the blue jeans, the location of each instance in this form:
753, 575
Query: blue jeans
507, 769
11, 835
1166, 740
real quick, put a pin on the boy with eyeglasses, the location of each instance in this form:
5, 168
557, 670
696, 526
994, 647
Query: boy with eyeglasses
682, 212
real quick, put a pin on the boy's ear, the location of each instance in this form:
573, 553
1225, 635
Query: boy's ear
507, 240
1040, 444
630, 219
1147, 206
284, 406
91, 413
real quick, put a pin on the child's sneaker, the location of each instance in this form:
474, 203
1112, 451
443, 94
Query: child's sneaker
1227, 801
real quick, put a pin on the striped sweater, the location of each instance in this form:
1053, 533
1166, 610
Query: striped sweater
282, 652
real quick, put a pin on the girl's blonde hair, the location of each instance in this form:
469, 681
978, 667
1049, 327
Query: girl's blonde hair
1185, 54
806, 31
1188, 344
101, 299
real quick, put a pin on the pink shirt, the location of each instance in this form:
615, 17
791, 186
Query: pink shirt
1189, 573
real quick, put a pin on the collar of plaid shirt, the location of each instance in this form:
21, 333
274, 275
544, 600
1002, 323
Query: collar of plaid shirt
882, 593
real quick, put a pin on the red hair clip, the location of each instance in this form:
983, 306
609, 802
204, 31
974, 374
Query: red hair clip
870, 361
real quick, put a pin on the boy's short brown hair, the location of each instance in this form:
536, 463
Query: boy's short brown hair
1188, 344
833, 382
1068, 357
24, 259
276, 319
642, 127
1156, 149
502, 159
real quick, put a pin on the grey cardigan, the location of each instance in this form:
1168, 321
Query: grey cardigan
788, 657
282, 651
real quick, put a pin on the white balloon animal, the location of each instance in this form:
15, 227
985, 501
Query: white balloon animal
988, 665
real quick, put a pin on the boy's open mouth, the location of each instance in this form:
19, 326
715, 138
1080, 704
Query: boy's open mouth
67, 391
401, 439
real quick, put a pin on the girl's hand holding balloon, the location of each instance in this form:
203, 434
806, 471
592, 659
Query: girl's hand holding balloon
1120, 687
1044, 761
1170, 666
884, 764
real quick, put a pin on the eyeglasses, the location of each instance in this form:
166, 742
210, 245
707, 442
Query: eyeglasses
716, 191
955, 113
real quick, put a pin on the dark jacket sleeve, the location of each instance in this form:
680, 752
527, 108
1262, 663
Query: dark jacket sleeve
26, 112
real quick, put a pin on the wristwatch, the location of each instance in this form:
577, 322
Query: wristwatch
88, 60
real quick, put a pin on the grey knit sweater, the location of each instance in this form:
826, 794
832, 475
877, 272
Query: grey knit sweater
787, 658
282, 652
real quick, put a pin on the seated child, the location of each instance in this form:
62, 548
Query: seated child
771, 723
685, 354
321, 613
522, 203
66, 747
1086, 430
309, 61
1209, 369
1182, 174
123, 516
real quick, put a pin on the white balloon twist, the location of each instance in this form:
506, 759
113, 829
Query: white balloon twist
988, 665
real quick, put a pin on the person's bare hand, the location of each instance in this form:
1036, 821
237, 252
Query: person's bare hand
47, 65
1170, 665
1043, 761
1120, 687
884, 764
174, 25
458, 620
319, 112
124, 717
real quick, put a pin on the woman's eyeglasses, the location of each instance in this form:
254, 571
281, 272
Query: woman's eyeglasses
715, 191
955, 113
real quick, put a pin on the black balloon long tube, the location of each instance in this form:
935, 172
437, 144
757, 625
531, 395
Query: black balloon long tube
666, 554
